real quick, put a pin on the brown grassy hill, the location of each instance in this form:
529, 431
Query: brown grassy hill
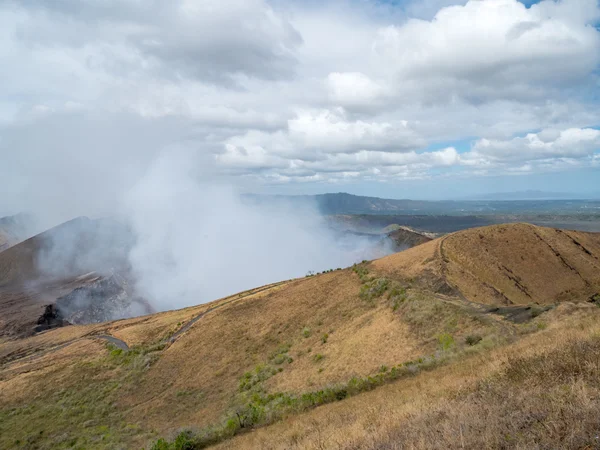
506, 264
268, 354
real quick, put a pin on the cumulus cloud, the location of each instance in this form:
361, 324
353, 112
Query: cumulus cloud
212, 40
354, 90
495, 49
547, 150
301, 92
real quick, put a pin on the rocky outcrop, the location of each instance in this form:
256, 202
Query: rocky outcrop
103, 300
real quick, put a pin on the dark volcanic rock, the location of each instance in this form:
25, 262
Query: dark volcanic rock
51, 318
404, 237
105, 299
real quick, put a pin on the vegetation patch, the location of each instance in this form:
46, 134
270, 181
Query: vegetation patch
261, 373
82, 411
446, 341
260, 408
373, 289
473, 339
396, 296
137, 358
362, 272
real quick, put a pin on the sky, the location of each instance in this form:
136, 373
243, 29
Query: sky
426, 99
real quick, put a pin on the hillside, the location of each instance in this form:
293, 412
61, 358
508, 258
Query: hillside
413, 328
70, 258
506, 264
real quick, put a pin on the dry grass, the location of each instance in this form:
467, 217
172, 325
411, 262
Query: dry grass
546, 397
505, 264
523, 264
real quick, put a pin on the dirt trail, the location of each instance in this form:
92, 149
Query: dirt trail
119, 343
245, 294
115, 341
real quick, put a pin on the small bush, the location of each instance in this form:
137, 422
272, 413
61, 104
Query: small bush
318, 357
324, 338
397, 296
473, 339
374, 289
258, 375
306, 332
280, 359
362, 272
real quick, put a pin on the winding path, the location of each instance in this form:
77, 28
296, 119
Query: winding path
237, 297
115, 341
119, 343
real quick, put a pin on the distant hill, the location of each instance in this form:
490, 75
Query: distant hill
343, 203
532, 195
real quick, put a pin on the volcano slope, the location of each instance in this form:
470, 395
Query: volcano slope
80, 265
427, 348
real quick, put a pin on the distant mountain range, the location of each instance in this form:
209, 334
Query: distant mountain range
343, 203
534, 195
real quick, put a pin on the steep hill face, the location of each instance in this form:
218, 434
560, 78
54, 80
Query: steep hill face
506, 264
405, 237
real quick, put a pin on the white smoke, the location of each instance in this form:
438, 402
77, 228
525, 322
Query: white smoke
184, 231
197, 241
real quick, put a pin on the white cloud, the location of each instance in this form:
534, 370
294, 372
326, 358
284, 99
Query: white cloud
493, 49
211, 40
354, 89
292, 92
548, 150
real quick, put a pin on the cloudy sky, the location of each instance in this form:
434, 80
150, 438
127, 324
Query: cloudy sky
423, 99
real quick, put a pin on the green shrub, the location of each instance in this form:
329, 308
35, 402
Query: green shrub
318, 357
446, 341
374, 289
281, 351
258, 375
362, 272
280, 359
324, 338
306, 332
